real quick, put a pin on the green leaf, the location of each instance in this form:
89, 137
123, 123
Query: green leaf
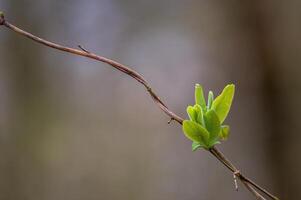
210, 99
212, 124
192, 113
223, 102
197, 108
199, 96
225, 130
212, 143
196, 145
195, 132
199, 117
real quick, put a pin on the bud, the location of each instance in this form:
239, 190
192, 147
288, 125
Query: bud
1, 18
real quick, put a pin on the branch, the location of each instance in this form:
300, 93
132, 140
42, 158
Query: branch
250, 185
86, 53
246, 181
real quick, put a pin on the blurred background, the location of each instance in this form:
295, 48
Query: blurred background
73, 128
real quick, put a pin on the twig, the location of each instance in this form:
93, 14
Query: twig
254, 192
238, 174
235, 180
113, 63
250, 185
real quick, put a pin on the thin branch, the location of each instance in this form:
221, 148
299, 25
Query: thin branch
88, 54
250, 185
238, 174
253, 191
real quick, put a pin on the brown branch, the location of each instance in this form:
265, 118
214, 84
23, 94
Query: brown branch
88, 54
250, 185
231, 167
238, 174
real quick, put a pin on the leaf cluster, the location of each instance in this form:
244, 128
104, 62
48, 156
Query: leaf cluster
205, 125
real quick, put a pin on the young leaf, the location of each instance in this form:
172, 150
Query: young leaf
192, 113
223, 102
197, 108
200, 117
195, 132
224, 134
212, 124
213, 142
210, 99
199, 96
196, 145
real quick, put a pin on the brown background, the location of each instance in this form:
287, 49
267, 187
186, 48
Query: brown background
73, 129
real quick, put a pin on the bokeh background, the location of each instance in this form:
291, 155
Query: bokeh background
72, 128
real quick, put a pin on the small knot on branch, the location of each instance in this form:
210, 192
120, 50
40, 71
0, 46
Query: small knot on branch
237, 173
2, 20
83, 49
